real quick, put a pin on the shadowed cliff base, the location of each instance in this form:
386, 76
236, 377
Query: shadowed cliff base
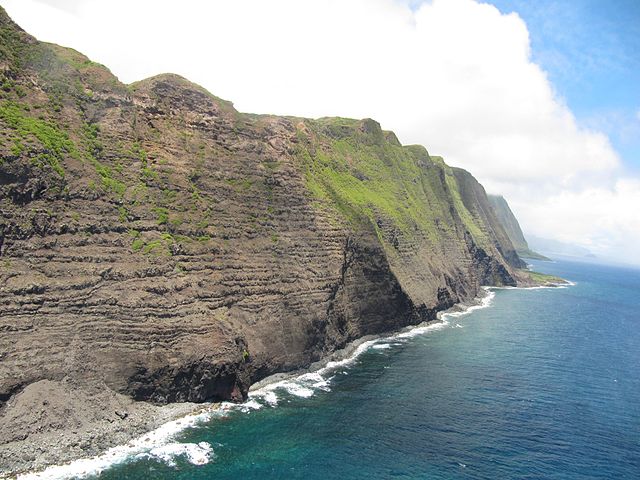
157, 245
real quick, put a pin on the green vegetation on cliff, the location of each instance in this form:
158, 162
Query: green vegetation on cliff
364, 173
545, 279
54, 144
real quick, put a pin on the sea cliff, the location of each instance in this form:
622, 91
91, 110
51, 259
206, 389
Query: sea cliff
157, 245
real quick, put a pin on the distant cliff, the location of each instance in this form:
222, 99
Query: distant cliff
159, 243
512, 227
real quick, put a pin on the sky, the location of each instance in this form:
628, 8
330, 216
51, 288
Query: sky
591, 51
539, 100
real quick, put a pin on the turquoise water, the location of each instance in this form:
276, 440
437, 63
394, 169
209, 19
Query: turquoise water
542, 384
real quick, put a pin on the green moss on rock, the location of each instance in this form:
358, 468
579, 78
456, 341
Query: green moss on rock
55, 143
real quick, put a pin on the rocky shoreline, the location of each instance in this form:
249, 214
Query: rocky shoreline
350, 350
88, 435
131, 419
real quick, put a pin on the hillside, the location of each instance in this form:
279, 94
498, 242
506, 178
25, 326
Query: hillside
158, 245
512, 227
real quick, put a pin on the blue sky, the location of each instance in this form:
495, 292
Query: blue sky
591, 52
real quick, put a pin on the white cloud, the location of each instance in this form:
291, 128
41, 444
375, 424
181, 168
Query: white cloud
606, 221
453, 75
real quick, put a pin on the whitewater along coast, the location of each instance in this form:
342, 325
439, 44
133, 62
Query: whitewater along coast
159, 443
159, 247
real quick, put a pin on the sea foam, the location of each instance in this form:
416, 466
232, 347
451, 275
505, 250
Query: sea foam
155, 444
195, 453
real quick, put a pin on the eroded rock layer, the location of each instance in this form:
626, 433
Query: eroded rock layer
157, 242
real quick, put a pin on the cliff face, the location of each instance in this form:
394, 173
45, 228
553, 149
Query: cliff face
157, 242
512, 228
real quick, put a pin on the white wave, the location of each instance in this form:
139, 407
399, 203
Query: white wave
311, 377
297, 389
248, 405
315, 380
266, 394
324, 385
360, 349
271, 398
154, 440
464, 310
381, 346
457, 325
196, 453
414, 332
303, 386
251, 404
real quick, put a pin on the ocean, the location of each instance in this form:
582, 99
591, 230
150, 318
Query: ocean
540, 384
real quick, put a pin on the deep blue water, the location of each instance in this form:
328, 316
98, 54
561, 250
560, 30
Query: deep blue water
543, 384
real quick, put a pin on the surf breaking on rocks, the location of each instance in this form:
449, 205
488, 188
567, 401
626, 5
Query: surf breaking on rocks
162, 444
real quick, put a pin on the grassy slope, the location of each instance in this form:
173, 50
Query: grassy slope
369, 177
528, 253
51, 125
544, 279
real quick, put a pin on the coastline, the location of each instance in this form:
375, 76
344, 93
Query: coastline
39, 451
152, 434
353, 349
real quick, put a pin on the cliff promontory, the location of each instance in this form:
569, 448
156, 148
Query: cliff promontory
512, 228
158, 245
